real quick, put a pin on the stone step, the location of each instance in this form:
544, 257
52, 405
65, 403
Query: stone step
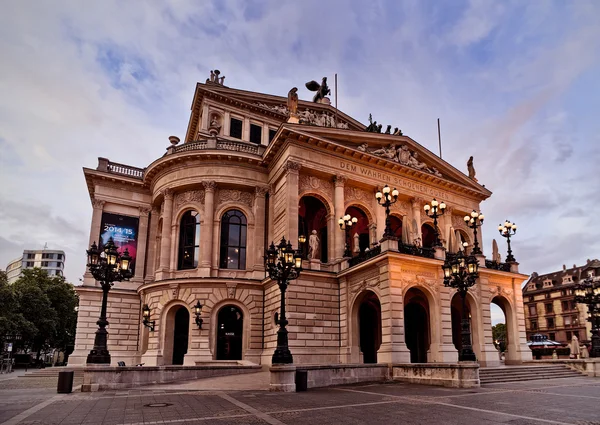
529, 375
525, 373
500, 373
528, 378
50, 373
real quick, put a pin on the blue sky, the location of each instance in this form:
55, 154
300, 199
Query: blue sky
514, 83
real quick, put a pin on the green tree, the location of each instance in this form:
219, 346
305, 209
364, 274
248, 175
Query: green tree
499, 336
48, 304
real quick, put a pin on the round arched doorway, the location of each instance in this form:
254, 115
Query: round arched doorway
361, 228
416, 325
230, 332
180, 335
312, 215
456, 314
369, 326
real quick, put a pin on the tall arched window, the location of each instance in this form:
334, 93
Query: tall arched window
189, 240
233, 240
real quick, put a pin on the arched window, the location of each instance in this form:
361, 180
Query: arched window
233, 240
189, 240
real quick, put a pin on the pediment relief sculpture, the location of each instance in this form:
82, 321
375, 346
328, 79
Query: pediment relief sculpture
315, 183
307, 116
402, 155
356, 194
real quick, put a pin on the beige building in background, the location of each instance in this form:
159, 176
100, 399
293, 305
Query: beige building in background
550, 307
52, 261
251, 171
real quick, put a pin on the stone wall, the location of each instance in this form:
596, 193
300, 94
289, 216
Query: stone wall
455, 375
123, 312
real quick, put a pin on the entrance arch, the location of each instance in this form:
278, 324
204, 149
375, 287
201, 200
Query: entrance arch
180, 335
312, 215
456, 317
230, 332
396, 226
510, 346
416, 325
361, 228
366, 319
428, 234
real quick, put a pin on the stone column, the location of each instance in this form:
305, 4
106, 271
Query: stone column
206, 232
380, 219
97, 206
270, 226
338, 205
165, 237
259, 227
292, 169
416, 216
142, 243
150, 266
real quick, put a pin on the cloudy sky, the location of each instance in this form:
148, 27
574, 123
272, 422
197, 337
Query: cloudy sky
515, 83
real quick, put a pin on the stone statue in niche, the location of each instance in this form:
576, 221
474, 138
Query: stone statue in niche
356, 244
313, 246
471, 168
321, 89
292, 102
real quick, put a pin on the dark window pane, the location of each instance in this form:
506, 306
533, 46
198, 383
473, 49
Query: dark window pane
235, 128
233, 240
255, 134
272, 134
234, 235
189, 240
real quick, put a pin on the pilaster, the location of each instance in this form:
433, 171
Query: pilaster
259, 228
206, 231
142, 245
292, 170
98, 207
338, 205
150, 266
416, 204
165, 239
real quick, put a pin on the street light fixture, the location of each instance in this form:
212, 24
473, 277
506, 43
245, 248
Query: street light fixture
461, 272
346, 223
473, 221
146, 318
283, 264
588, 292
106, 266
386, 198
507, 230
197, 312
435, 210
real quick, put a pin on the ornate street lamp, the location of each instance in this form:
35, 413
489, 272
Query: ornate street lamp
588, 292
387, 198
197, 312
460, 273
107, 266
346, 223
435, 210
283, 264
474, 221
146, 318
507, 230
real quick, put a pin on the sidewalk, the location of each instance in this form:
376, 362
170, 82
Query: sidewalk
14, 374
258, 381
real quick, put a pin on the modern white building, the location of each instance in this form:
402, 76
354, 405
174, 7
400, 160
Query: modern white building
53, 261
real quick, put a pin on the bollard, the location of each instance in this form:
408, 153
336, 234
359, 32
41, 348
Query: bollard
65, 382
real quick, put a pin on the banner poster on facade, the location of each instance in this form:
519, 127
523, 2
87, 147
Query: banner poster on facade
124, 231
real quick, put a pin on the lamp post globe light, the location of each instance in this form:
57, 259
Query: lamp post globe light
386, 198
435, 210
507, 230
346, 223
461, 272
475, 220
283, 264
106, 266
588, 292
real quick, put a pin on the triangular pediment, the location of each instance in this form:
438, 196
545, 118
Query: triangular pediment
397, 152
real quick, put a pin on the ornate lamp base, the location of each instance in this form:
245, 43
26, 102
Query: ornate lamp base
98, 357
282, 356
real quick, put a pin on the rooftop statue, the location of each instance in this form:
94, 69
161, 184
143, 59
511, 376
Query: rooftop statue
292, 102
471, 169
321, 89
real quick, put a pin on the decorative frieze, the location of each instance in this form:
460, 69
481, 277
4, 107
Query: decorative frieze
315, 183
191, 196
356, 194
232, 195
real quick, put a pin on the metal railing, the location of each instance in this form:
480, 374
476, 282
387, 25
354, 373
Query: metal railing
364, 256
505, 267
415, 250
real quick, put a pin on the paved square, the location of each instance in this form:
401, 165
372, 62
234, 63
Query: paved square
558, 401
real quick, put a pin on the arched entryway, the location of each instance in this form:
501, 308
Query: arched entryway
416, 325
396, 226
230, 330
361, 228
312, 215
180, 335
368, 323
456, 313
504, 340
428, 235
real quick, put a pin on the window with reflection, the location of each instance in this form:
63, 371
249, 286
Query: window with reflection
189, 240
233, 240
